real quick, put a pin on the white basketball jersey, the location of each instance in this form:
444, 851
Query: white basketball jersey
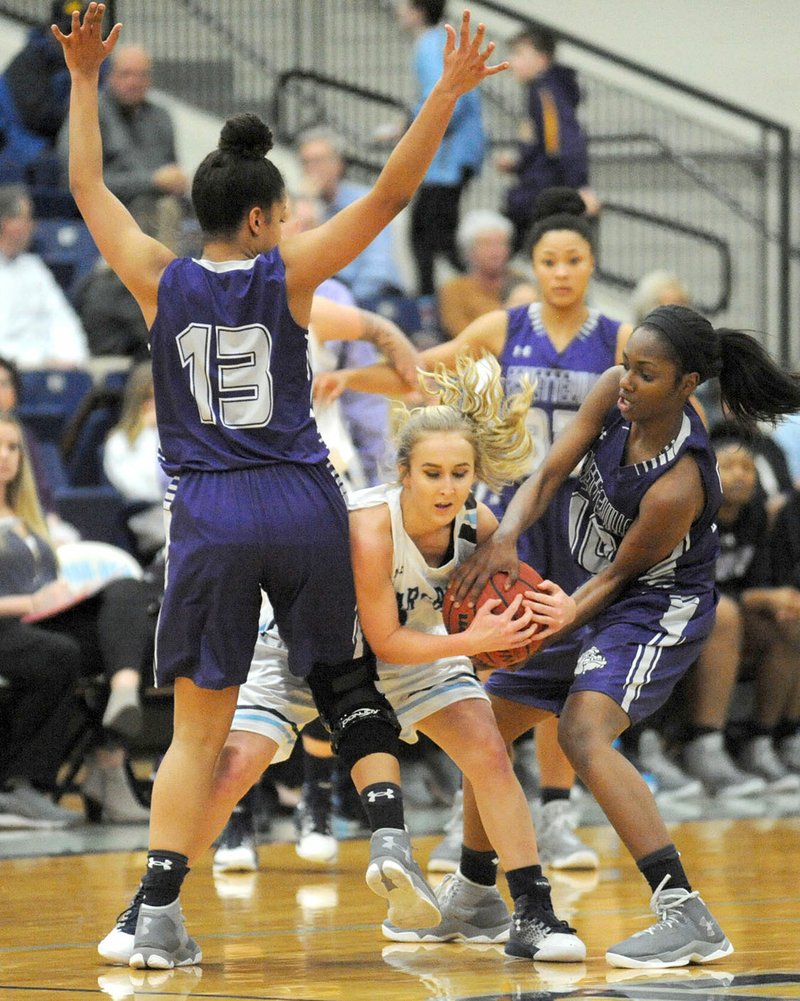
420, 588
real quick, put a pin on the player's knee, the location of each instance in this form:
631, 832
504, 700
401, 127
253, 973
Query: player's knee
576, 737
372, 731
238, 769
358, 716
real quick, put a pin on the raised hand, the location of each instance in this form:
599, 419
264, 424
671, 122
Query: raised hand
465, 65
84, 47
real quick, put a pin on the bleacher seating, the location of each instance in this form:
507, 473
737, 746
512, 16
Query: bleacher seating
67, 248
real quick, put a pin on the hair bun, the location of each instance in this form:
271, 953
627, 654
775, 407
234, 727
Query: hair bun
558, 201
246, 135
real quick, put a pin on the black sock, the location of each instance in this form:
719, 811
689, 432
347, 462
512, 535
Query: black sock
383, 802
550, 793
524, 881
693, 732
166, 872
317, 783
753, 729
664, 862
478, 867
787, 728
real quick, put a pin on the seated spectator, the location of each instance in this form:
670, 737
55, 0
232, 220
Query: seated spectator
757, 630
374, 272
38, 327
110, 316
35, 100
785, 565
484, 240
140, 163
130, 461
10, 397
42, 619
657, 288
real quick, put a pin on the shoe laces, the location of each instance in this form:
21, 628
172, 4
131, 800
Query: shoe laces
126, 920
667, 905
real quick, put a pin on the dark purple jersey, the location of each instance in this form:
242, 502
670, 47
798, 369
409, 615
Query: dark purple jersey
562, 378
607, 497
230, 368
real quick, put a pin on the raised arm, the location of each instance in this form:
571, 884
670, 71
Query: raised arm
319, 253
334, 321
486, 335
137, 259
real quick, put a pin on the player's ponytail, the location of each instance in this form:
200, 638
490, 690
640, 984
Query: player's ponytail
753, 387
472, 401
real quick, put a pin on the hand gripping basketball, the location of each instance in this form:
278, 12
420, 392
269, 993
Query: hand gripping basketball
457, 619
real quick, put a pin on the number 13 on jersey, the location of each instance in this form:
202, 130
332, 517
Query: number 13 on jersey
241, 396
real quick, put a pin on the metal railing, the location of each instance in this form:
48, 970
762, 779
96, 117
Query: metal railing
692, 183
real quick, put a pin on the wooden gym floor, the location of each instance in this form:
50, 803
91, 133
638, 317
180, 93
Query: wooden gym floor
293, 932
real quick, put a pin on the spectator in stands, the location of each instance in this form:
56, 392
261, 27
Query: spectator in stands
43, 619
140, 162
110, 316
435, 210
657, 288
757, 628
552, 146
484, 239
38, 326
785, 565
33, 106
374, 272
130, 461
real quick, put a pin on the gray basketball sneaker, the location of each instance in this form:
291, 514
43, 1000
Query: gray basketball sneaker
684, 933
393, 874
161, 941
470, 913
559, 845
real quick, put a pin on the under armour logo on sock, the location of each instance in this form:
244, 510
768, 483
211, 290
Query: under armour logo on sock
165, 864
372, 795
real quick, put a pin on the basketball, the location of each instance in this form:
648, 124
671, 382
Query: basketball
456, 620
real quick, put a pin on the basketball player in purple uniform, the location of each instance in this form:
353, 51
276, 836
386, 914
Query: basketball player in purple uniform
642, 526
253, 501
562, 346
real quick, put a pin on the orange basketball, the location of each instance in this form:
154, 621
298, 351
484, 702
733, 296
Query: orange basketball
456, 620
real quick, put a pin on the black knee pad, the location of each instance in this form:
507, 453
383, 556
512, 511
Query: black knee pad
359, 718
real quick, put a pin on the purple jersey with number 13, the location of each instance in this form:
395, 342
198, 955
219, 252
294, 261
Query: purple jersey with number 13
230, 368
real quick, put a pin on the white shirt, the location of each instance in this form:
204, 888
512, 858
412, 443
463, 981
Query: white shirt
132, 467
38, 326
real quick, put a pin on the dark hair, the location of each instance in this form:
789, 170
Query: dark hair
559, 208
13, 372
752, 386
542, 39
236, 176
431, 10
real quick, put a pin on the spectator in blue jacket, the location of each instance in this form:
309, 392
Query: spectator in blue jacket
435, 211
552, 146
